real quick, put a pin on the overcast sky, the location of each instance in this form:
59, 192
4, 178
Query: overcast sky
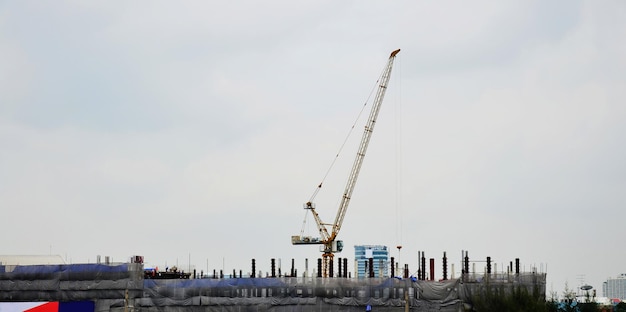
193, 132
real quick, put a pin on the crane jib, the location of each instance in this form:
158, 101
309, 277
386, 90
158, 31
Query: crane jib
328, 240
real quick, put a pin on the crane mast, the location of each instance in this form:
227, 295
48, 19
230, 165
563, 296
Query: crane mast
328, 240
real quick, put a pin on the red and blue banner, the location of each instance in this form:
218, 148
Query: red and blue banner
74, 306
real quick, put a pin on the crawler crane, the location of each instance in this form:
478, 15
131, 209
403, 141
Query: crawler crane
328, 238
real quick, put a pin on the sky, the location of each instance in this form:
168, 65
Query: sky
191, 133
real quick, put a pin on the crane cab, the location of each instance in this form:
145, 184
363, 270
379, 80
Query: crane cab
337, 246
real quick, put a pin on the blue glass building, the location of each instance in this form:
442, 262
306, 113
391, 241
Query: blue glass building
379, 255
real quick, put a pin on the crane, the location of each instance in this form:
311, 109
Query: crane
328, 238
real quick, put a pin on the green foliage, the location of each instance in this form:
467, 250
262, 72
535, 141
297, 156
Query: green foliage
588, 307
515, 299
620, 307
519, 299
552, 306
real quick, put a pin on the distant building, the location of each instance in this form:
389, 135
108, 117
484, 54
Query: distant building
615, 288
380, 260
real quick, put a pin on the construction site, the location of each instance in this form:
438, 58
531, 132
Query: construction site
129, 287
132, 287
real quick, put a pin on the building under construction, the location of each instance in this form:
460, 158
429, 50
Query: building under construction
128, 287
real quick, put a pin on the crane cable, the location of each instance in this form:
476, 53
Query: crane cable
317, 189
399, 160
332, 164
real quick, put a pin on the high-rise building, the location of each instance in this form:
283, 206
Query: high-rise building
615, 288
380, 260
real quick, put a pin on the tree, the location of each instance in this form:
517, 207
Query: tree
620, 307
515, 299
